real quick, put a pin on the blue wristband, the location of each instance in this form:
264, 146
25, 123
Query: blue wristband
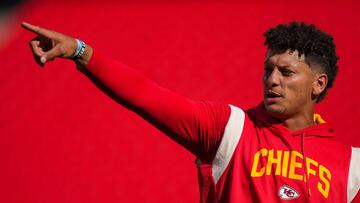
80, 49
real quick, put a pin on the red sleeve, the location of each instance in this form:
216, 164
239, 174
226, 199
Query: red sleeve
196, 125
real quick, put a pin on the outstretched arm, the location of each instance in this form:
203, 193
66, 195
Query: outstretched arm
196, 125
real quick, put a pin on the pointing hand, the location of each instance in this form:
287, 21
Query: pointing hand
48, 45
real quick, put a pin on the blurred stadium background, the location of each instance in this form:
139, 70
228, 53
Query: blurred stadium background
63, 140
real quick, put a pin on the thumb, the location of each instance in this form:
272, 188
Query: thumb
50, 55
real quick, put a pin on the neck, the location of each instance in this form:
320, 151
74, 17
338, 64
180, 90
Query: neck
299, 122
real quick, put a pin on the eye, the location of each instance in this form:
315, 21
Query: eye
267, 71
268, 68
286, 72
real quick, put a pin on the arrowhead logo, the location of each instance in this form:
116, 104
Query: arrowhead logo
288, 193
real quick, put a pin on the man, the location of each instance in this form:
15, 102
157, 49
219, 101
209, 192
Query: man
278, 151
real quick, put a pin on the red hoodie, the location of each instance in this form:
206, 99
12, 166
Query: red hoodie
267, 164
241, 156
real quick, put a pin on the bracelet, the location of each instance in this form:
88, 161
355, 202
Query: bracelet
79, 50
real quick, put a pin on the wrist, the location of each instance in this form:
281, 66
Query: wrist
84, 59
80, 49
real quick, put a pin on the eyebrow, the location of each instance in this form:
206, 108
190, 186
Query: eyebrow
268, 62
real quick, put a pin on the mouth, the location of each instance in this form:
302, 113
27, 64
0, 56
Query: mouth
272, 96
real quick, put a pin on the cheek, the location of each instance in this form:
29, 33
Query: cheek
298, 91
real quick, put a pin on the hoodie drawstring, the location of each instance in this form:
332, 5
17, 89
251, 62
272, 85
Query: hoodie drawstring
304, 164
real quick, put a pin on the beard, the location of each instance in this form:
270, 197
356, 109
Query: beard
275, 110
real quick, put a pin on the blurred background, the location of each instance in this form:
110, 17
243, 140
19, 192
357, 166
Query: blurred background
63, 140
7, 17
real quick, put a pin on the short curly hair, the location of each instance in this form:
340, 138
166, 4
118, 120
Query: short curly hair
317, 46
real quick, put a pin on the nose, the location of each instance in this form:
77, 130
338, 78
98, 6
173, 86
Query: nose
271, 78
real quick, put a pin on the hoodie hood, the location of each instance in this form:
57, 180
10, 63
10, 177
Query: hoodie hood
321, 129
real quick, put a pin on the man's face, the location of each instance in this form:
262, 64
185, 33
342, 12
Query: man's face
288, 83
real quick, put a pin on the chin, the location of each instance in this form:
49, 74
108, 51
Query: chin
275, 110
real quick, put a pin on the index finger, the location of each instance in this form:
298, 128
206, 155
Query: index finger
36, 29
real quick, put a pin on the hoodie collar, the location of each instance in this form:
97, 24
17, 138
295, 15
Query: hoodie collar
322, 129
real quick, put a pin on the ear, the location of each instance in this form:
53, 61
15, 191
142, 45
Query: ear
320, 83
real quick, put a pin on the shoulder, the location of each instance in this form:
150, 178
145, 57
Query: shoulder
236, 119
356, 152
354, 173
355, 160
